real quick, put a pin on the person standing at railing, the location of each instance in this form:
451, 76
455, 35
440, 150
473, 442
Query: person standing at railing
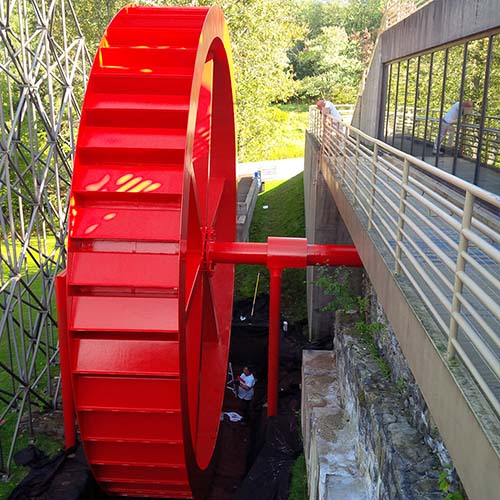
447, 125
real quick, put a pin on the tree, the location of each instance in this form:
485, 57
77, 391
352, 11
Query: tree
329, 61
330, 66
260, 41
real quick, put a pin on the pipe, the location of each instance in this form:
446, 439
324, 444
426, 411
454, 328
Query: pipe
274, 342
258, 253
333, 255
238, 253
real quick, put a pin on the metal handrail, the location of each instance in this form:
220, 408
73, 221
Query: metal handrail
441, 240
425, 125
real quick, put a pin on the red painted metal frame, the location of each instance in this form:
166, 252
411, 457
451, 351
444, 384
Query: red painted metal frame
145, 306
277, 254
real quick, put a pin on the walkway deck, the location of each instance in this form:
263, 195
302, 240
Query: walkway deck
488, 177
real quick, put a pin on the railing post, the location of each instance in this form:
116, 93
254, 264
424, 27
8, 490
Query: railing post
460, 267
335, 142
372, 185
356, 168
323, 133
401, 212
343, 142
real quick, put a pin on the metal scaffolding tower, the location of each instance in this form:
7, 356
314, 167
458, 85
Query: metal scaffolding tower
43, 66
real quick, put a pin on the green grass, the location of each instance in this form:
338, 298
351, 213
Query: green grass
283, 217
298, 485
48, 444
26, 311
7, 428
287, 139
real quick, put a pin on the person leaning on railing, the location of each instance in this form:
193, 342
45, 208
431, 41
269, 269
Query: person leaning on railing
328, 108
447, 124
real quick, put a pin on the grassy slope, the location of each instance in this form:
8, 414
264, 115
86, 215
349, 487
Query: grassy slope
287, 138
283, 217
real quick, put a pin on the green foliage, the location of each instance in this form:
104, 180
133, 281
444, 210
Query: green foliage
329, 61
366, 332
335, 283
330, 66
445, 485
260, 40
337, 286
401, 384
283, 217
94, 17
298, 485
286, 139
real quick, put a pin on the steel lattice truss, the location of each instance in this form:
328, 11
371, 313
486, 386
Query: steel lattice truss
43, 62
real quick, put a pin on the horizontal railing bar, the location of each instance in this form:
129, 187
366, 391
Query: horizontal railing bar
477, 376
479, 319
451, 244
446, 281
442, 324
485, 352
488, 249
431, 223
481, 270
478, 292
421, 271
437, 251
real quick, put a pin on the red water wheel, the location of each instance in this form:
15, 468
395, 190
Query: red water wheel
148, 322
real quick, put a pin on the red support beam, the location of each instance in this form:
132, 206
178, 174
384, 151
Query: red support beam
274, 342
279, 249
66, 387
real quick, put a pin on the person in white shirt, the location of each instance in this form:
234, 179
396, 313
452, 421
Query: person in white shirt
329, 108
447, 122
247, 382
246, 391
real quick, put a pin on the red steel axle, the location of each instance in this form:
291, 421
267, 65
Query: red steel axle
278, 254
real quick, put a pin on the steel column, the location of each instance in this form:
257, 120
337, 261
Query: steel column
274, 342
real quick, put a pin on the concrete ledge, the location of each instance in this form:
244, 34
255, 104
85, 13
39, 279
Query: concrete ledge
245, 209
329, 437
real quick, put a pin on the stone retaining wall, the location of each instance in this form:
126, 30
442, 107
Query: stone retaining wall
390, 450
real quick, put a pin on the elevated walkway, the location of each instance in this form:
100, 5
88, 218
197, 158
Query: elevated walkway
430, 243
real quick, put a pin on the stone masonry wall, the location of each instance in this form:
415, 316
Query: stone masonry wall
398, 447
401, 376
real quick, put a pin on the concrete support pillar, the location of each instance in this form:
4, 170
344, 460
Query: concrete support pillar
324, 225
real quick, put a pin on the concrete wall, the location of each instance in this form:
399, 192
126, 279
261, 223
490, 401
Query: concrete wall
324, 225
439, 23
247, 193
